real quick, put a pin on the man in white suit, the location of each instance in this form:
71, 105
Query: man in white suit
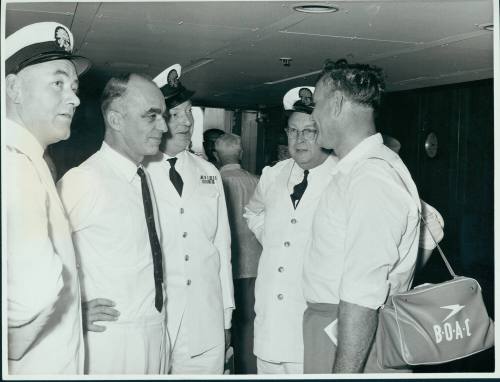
196, 241
43, 292
280, 213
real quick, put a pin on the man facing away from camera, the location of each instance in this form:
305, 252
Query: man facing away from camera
209, 138
43, 292
112, 211
366, 227
239, 185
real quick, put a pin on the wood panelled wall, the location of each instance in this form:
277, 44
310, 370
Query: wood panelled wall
217, 119
458, 181
249, 133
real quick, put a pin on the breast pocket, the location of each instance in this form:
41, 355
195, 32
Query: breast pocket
207, 210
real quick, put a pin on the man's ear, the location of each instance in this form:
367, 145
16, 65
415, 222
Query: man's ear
337, 103
13, 88
216, 155
114, 119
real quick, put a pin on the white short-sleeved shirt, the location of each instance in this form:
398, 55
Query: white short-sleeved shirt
103, 199
366, 230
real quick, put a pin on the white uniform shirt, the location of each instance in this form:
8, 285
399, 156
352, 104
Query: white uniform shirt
285, 234
366, 230
104, 202
196, 244
41, 266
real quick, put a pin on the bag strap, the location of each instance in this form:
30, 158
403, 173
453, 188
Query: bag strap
453, 274
448, 266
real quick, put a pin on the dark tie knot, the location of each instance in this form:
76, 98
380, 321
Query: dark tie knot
140, 172
172, 161
306, 172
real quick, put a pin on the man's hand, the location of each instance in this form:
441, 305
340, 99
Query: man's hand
227, 337
99, 309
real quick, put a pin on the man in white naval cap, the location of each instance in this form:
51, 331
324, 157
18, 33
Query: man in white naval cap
280, 213
44, 307
196, 241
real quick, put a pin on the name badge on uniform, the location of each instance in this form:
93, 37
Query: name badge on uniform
208, 179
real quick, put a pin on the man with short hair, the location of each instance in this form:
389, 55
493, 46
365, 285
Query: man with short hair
43, 292
196, 241
239, 185
366, 227
111, 208
209, 138
280, 214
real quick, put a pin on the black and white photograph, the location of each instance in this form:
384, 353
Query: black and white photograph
249, 189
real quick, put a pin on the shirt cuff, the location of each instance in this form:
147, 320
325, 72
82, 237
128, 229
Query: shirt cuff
228, 314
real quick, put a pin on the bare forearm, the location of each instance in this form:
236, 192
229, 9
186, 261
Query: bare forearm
356, 330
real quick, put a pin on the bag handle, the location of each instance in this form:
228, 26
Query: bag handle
448, 266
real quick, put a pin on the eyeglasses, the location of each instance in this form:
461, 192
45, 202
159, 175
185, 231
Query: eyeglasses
307, 134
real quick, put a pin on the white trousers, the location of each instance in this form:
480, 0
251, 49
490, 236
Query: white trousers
266, 367
181, 362
128, 348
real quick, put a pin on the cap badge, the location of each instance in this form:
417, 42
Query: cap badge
62, 39
305, 96
173, 78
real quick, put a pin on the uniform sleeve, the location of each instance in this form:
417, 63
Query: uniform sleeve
223, 243
255, 210
34, 269
376, 220
78, 192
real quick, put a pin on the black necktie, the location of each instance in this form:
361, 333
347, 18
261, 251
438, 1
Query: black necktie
298, 190
153, 240
175, 177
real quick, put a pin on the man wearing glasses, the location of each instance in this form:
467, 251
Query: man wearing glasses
280, 214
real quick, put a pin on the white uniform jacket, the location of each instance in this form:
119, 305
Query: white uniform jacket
43, 291
196, 244
285, 234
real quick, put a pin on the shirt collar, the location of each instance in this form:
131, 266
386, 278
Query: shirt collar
121, 163
21, 138
331, 160
230, 166
327, 163
180, 156
360, 152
